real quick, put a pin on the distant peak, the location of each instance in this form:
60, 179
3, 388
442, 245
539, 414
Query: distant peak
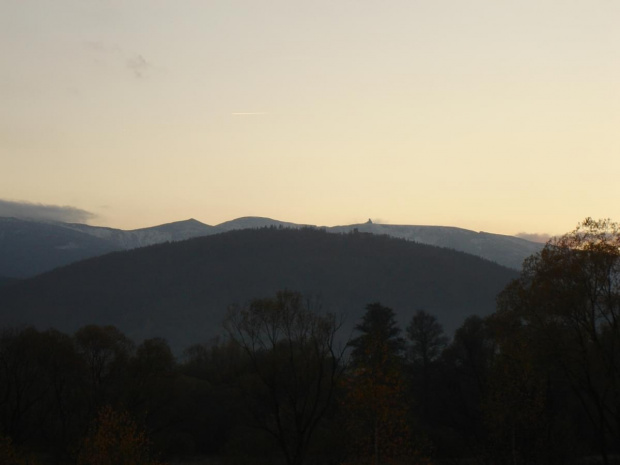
191, 221
369, 221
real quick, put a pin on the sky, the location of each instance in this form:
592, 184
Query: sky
500, 116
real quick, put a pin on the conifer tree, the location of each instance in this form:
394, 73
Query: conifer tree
375, 402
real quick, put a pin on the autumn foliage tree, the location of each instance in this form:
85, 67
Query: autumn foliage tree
116, 439
567, 302
9, 455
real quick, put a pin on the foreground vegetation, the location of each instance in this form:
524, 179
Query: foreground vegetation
536, 382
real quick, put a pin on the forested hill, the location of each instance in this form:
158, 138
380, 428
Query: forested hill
181, 290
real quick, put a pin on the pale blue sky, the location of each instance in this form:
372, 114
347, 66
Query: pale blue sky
496, 116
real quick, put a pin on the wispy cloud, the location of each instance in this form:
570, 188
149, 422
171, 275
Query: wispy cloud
138, 65
535, 237
134, 62
38, 211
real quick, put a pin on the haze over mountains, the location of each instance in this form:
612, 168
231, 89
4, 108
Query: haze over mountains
181, 290
29, 247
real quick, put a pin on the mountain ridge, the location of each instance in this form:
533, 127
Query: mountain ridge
30, 247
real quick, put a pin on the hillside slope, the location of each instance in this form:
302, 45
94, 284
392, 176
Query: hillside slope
30, 247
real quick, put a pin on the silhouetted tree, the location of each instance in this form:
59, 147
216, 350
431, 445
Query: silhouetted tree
427, 343
105, 352
295, 364
375, 402
427, 338
214, 407
150, 369
466, 365
379, 341
41, 390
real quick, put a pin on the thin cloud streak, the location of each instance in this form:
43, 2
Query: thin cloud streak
38, 211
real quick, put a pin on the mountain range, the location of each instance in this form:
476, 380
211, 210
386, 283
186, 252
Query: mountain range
29, 247
181, 290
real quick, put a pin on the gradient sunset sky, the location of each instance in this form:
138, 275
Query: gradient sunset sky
502, 116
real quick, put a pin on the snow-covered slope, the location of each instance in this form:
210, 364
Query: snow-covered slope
509, 251
169, 232
254, 222
172, 232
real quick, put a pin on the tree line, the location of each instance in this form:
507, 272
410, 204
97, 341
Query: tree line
537, 382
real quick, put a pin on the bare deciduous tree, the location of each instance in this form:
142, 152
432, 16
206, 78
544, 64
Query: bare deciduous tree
291, 345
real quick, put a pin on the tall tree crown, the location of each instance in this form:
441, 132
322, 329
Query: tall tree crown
427, 338
380, 340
